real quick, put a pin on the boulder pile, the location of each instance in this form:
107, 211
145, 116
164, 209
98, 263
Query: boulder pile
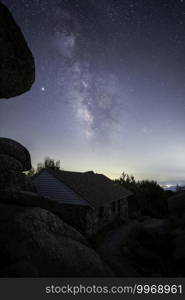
36, 243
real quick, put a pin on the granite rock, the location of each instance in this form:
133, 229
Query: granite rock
17, 68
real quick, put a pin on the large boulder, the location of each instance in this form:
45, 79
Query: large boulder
15, 150
35, 241
19, 197
9, 163
17, 69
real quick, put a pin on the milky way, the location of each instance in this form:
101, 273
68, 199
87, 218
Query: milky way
109, 93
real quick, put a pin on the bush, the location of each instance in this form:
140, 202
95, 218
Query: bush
150, 252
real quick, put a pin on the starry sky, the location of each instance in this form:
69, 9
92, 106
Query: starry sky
109, 94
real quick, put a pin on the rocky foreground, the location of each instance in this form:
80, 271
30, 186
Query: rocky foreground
36, 243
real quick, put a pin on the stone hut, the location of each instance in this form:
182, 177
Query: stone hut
87, 201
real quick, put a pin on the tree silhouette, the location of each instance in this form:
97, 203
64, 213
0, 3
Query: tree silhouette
149, 196
47, 164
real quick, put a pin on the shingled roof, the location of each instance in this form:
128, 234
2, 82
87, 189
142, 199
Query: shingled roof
97, 189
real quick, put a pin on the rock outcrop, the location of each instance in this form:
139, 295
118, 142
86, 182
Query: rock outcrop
17, 69
14, 159
36, 243
17, 151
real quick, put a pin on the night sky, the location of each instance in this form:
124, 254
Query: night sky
109, 94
